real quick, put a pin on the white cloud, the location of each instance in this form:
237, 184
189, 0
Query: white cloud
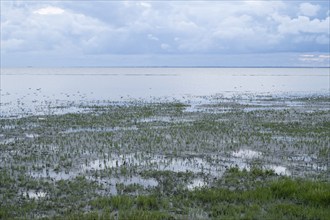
309, 9
144, 4
159, 27
165, 47
35, 31
302, 24
152, 37
307, 55
324, 56
314, 58
49, 11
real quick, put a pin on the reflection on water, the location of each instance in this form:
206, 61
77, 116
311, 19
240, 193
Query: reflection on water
78, 130
196, 183
34, 194
248, 154
111, 184
31, 135
34, 89
279, 170
242, 159
54, 175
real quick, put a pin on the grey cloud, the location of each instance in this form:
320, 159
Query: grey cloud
309, 9
159, 27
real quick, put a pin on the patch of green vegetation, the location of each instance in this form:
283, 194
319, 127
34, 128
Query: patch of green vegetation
169, 182
145, 215
131, 188
276, 198
298, 128
302, 199
324, 152
115, 202
313, 99
307, 192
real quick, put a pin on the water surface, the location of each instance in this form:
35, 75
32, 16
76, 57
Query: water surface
32, 88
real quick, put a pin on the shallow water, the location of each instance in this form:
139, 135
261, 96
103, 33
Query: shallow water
62, 175
196, 183
279, 170
111, 184
34, 195
32, 90
248, 154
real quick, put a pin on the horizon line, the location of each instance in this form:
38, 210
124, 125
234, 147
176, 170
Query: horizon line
163, 66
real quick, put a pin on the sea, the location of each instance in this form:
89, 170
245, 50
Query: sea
33, 90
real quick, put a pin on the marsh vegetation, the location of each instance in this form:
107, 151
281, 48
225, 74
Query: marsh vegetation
250, 157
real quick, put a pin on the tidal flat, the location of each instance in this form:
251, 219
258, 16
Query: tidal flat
240, 157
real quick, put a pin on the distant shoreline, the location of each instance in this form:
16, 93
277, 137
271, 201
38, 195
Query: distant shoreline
204, 67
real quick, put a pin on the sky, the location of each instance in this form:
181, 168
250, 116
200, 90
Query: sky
165, 33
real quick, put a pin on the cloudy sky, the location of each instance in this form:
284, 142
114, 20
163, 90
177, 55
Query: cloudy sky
165, 33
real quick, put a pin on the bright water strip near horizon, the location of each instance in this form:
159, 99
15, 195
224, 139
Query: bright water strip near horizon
24, 88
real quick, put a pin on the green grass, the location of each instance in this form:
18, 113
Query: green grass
298, 128
277, 198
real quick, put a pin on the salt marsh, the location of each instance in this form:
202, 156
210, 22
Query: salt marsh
72, 156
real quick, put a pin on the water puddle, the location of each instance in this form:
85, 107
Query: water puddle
273, 108
165, 119
137, 180
157, 162
213, 166
196, 183
193, 164
210, 109
8, 127
8, 141
246, 154
34, 194
31, 135
54, 175
77, 130
114, 161
111, 184
319, 167
279, 170
303, 158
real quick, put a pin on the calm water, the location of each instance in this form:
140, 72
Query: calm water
30, 87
